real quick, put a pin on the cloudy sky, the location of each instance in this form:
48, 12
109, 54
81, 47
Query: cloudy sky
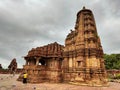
25, 24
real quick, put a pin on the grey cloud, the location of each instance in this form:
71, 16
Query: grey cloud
114, 7
25, 24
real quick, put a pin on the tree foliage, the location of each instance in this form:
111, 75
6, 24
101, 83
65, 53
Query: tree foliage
112, 61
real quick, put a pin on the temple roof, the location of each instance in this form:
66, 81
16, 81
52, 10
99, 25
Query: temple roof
50, 50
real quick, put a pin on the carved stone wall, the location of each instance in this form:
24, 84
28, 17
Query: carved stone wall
43, 64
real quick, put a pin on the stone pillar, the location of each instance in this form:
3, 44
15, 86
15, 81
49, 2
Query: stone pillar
70, 62
26, 62
37, 61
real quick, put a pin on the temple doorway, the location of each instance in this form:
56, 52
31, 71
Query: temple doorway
42, 62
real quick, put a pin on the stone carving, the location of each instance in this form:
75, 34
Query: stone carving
79, 62
13, 66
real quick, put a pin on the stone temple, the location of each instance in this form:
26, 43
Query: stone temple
79, 62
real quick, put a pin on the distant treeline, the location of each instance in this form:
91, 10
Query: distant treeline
112, 61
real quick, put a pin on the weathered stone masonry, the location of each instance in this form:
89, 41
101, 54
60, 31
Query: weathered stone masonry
79, 62
43, 64
83, 55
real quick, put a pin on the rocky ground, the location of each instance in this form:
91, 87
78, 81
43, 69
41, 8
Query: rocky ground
8, 82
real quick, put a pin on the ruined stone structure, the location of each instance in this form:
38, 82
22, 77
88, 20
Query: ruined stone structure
13, 66
79, 62
0, 66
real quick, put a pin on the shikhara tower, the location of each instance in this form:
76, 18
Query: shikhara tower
83, 53
79, 62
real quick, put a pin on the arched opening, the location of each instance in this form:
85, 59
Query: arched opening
79, 63
13, 69
42, 62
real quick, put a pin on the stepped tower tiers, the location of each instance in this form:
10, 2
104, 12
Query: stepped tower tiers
83, 53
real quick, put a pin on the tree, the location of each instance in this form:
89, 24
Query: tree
112, 61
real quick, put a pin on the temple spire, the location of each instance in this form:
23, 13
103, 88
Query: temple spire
83, 50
